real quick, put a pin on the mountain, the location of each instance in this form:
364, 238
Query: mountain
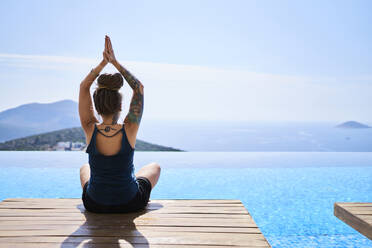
74, 136
352, 125
33, 118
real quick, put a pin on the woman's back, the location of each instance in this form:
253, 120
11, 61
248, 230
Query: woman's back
109, 146
112, 180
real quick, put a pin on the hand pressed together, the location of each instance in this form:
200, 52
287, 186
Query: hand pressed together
108, 53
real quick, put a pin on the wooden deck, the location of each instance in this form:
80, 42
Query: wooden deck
358, 215
165, 223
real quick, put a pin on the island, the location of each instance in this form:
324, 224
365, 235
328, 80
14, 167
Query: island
352, 125
68, 139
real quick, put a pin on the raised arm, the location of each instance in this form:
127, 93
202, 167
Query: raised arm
136, 105
86, 113
134, 116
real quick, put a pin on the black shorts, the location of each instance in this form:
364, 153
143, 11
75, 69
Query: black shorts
139, 202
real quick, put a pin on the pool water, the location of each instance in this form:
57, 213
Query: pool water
289, 195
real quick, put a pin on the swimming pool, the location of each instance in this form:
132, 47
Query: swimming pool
289, 195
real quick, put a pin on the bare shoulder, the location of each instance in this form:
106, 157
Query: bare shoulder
88, 131
131, 130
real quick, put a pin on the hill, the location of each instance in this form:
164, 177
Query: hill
352, 125
33, 118
66, 139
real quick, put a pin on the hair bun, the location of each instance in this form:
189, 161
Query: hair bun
110, 81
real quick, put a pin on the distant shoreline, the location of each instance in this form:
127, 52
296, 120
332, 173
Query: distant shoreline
68, 139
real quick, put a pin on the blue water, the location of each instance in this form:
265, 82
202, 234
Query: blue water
289, 195
256, 136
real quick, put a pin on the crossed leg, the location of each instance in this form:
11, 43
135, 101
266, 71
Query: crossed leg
150, 171
84, 174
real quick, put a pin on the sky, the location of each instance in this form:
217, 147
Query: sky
198, 60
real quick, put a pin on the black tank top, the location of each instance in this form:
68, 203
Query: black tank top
112, 179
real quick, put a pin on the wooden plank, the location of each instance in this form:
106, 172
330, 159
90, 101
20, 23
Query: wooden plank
188, 210
89, 245
47, 213
164, 223
122, 223
74, 201
360, 220
63, 212
140, 219
150, 206
132, 232
366, 218
78, 200
358, 207
73, 229
360, 212
183, 238
353, 204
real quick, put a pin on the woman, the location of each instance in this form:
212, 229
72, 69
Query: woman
108, 181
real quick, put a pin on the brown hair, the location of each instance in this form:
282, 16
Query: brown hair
107, 100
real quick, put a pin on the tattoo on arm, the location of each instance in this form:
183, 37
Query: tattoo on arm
136, 105
133, 82
136, 108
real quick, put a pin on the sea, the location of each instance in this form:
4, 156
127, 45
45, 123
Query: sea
287, 178
256, 136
